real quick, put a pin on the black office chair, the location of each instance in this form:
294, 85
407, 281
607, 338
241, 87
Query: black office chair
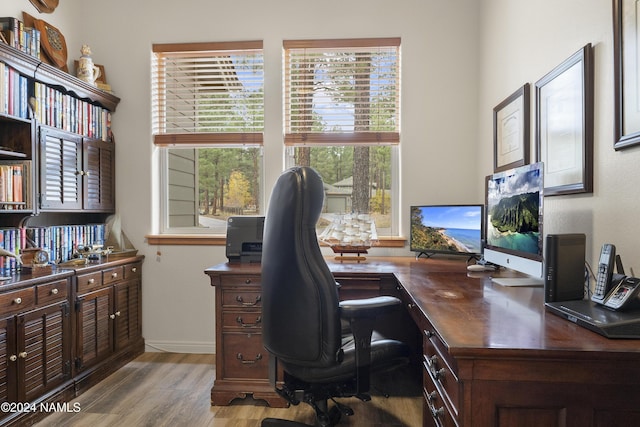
325, 348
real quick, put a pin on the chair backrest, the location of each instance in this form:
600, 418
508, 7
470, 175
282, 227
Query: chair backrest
300, 313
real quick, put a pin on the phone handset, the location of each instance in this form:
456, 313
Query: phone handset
605, 272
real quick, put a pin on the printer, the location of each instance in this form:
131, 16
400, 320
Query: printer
244, 238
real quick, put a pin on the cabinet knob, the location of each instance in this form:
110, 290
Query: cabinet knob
13, 358
54, 291
87, 173
114, 275
22, 355
112, 316
80, 173
91, 281
118, 313
134, 269
17, 300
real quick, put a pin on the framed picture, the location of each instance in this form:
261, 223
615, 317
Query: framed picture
626, 45
564, 125
511, 131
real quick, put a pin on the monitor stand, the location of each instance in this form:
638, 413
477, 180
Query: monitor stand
518, 281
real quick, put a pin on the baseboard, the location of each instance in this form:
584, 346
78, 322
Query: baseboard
180, 347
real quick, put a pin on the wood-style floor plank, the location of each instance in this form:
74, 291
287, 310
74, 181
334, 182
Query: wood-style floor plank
169, 389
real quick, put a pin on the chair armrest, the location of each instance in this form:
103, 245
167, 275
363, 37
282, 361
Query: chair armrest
362, 314
367, 307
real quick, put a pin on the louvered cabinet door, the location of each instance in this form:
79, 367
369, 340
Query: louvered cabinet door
60, 170
8, 359
94, 327
44, 345
99, 176
128, 313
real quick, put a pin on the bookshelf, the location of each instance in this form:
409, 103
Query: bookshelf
57, 156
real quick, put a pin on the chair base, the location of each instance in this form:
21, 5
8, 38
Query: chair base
329, 419
275, 422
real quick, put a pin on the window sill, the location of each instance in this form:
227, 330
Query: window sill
209, 240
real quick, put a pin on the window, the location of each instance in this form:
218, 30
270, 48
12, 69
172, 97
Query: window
342, 117
208, 122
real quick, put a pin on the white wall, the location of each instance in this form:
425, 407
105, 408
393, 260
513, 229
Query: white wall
460, 59
439, 119
521, 42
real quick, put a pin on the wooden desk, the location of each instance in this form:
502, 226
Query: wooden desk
492, 355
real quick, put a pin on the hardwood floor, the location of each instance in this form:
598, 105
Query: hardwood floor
168, 389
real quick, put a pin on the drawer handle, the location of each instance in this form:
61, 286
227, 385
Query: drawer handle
428, 334
248, 325
439, 374
431, 397
17, 300
54, 291
91, 281
248, 362
247, 282
134, 269
241, 300
437, 413
114, 275
431, 361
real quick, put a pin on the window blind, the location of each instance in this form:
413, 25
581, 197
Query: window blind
344, 91
208, 93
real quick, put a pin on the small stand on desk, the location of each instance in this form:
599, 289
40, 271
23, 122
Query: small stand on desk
340, 249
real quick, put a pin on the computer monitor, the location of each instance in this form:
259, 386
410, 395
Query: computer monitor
514, 212
446, 229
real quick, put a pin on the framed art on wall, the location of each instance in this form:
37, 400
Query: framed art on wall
626, 42
511, 131
564, 125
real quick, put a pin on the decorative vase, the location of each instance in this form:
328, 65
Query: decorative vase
87, 71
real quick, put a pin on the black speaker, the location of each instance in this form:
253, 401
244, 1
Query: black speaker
564, 267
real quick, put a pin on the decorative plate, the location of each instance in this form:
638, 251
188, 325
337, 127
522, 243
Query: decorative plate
45, 6
53, 43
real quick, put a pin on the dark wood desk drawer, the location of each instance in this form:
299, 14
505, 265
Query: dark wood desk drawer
242, 319
439, 368
133, 271
435, 412
245, 357
241, 298
88, 282
19, 300
112, 275
52, 292
241, 280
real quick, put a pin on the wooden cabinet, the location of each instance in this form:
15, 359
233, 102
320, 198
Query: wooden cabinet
60, 334
76, 173
242, 363
98, 165
58, 127
35, 340
108, 313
